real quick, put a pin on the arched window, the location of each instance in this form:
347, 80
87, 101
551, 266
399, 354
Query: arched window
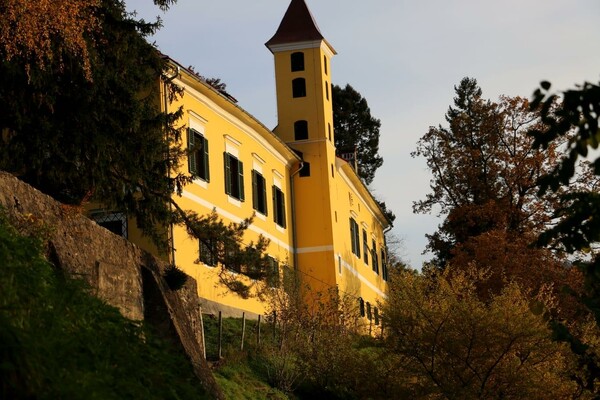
301, 130
297, 61
299, 87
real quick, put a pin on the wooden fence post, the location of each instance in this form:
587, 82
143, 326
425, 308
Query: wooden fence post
220, 335
258, 332
203, 334
243, 330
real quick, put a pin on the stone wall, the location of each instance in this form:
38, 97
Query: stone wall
118, 272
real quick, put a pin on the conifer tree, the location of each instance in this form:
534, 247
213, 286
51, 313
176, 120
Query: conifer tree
81, 120
355, 128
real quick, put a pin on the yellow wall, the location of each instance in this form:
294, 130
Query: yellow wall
229, 129
333, 193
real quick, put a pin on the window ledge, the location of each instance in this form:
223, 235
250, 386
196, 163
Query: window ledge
201, 182
234, 201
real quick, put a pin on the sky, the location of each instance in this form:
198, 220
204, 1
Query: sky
404, 57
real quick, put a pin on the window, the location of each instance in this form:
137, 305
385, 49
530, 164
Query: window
376, 315
384, 271
198, 155
208, 252
299, 87
278, 207
374, 257
301, 130
325, 64
114, 222
305, 170
259, 192
329, 131
326, 90
361, 306
365, 247
273, 273
297, 60
369, 315
234, 177
232, 256
354, 237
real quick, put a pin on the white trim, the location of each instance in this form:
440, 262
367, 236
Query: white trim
233, 140
353, 188
236, 219
200, 182
229, 148
197, 116
308, 44
277, 174
258, 158
353, 214
234, 201
277, 183
256, 137
364, 280
317, 249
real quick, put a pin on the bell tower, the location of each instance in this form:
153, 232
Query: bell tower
305, 123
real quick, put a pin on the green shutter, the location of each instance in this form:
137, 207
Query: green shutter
205, 160
255, 193
241, 179
226, 160
264, 195
191, 152
352, 235
282, 209
275, 210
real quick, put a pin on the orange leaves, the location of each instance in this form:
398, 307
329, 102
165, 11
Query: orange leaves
41, 31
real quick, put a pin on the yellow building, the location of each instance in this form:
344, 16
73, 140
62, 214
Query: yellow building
320, 218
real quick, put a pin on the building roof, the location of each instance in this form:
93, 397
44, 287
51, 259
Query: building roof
297, 25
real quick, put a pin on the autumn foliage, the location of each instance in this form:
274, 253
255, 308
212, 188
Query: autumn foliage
42, 31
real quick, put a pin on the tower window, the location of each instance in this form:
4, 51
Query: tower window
326, 90
198, 155
297, 60
234, 177
278, 206
299, 87
325, 64
301, 130
329, 130
305, 171
259, 193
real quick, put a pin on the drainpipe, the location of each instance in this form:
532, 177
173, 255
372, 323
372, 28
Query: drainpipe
166, 80
293, 212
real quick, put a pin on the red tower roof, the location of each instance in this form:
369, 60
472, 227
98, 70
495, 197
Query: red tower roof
297, 25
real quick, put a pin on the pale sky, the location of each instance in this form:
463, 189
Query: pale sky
403, 56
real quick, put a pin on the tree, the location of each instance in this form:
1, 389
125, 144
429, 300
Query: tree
79, 129
485, 172
576, 122
455, 346
356, 129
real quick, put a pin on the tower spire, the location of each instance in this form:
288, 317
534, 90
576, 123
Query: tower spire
297, 25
